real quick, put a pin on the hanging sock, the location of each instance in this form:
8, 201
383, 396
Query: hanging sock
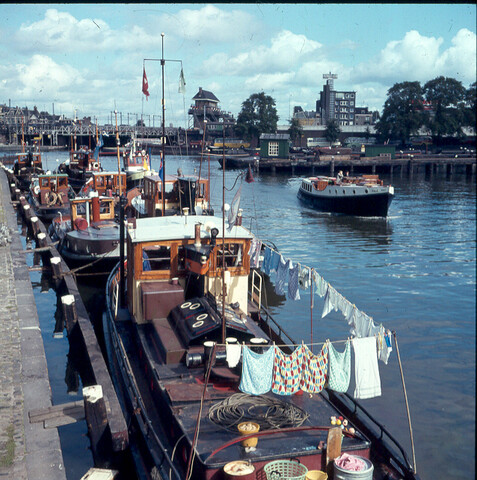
287, 371
314, 370
366, 371
257, 371
293, 291
339, 368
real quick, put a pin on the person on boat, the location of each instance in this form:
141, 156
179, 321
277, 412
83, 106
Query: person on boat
339, 177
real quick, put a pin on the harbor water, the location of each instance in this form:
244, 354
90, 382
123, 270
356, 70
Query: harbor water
414, 272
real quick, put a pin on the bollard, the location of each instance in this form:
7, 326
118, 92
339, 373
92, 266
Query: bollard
56, 267
35, 226
69, 311
97, 422
41, 238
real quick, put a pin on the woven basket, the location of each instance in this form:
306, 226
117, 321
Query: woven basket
285, 470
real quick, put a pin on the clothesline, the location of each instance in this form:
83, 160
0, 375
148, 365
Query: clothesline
289, 345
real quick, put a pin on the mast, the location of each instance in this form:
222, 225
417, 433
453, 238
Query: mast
163, 133
224, 290
23, 138
117, 147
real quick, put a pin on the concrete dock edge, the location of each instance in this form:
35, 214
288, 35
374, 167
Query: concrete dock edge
24, 381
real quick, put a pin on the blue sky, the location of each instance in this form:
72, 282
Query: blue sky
88, 58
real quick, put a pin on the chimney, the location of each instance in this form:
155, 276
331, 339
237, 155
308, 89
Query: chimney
197, 235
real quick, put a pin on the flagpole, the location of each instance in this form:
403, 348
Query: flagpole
163, 133
117, 146
224, 290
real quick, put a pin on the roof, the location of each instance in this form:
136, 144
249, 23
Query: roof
274, 136
176, 227
205, 95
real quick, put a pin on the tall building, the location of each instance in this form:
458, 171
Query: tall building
339, 106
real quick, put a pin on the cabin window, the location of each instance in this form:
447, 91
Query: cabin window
233, 255
44, 182
156, 257
80, 208
273, 149
105, 207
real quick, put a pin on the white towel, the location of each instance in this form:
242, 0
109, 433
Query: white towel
233, 352
366, 371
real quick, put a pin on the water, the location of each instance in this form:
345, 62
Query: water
414, 272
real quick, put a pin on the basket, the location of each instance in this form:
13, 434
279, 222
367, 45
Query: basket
285, 470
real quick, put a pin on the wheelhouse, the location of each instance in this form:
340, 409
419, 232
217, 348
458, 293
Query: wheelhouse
106, 183
87, 211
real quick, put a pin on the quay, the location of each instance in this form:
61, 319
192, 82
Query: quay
29, 443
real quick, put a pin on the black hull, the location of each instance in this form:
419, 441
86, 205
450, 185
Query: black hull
372, 205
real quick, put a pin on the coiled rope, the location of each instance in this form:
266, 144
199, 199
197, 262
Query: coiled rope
269, 413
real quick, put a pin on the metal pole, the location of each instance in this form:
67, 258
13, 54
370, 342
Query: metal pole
224, 291
122, 203
163, 62
117, 148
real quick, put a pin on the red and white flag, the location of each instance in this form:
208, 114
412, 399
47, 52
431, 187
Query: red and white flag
145, 85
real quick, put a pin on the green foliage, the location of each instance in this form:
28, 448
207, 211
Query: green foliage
332, 131
470, 108
296, 130
258, 115
403, 112
447, 97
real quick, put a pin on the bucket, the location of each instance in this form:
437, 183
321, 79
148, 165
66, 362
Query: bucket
240, 470
366, 474
316, 475
247, 428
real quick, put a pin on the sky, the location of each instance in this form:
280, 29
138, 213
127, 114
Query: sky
87, 59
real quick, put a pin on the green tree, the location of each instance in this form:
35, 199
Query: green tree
403, 112
470, 108
258, 115
332, 131
295, 130
447, 97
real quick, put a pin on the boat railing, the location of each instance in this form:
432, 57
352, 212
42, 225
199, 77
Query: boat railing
374, 430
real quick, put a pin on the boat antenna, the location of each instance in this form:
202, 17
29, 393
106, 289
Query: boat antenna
117, 149
163, 62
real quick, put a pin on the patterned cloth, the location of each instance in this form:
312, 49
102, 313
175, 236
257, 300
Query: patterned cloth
314, 369
287, 370
257, 371
282, 275
339, 369
293, 292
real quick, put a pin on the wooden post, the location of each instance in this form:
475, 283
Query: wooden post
69, 312
17, 193
27, 211
97, 422
41, 238
35, 227
56, 267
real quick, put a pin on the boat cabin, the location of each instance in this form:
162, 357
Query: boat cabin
174, 262
83, 159
86, 211
29, 160
51, 189
136, 160
180, 193
106, 183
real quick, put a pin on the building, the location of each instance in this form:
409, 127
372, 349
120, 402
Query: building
274, 145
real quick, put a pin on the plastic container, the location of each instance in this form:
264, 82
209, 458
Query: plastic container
316, 475
285, 470
366, 474
247, 428
240, 470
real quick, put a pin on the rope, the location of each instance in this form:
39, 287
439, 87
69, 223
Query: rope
269, 413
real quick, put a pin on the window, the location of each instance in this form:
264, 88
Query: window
273, 149
156, 257
233, 255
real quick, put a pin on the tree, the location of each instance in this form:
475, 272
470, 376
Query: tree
332, 131
470, 106
447, 97
258, 115
295, 130
403, 112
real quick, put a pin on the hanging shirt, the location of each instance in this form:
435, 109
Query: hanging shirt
287, 371
339, 370
267, 255
233, 352
321, 285
366, 371
257, 371
304, 277
274, 261
293, 291
314, 370
282, 275
254, 252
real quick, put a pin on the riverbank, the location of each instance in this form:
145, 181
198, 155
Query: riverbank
27, 450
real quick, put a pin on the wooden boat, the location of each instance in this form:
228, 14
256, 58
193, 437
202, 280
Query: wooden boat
184, 291
363, 196
179, 192
106, 184
26, 166
90, 232
80, 166
137, 163
50, 195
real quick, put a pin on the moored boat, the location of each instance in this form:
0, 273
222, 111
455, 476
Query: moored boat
137, 163
80, 166
365, 195
169, 325
26, 166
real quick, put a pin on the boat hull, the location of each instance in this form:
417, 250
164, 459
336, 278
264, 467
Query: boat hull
367, 203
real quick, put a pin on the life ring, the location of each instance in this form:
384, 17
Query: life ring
95, 165
60, 198
36, 189
51, 198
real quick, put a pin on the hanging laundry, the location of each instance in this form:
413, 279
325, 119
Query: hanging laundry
282, 275
366, 371
304, 277
233, 351
287, 371
339, 370
330, 301
315, 368
360, 323
293, 291
267, 255
254, 252
274, 261
257, 371
321, 285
